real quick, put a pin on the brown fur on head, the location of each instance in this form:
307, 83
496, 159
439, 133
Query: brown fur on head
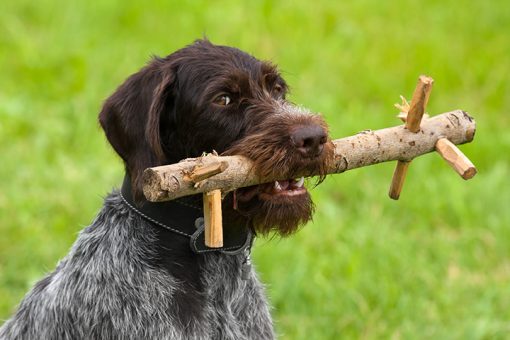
206, 97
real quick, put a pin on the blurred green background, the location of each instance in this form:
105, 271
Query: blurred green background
435, 264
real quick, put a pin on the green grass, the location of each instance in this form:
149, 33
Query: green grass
435, 264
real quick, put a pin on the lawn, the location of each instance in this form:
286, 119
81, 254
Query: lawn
433, 265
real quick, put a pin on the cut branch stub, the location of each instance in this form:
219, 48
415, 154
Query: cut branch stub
399, 176
417, 107
202, 172
419, 102
457, 160
213, 227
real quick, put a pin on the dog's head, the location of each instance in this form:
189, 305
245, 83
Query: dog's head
206, 98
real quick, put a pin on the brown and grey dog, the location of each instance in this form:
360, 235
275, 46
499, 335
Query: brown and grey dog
141, 270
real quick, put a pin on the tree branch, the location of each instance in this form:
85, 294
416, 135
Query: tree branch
366, 148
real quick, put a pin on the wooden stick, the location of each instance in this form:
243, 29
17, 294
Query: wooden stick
457, 160
366, 148
202, 172
399, 176
419, 101
212, 219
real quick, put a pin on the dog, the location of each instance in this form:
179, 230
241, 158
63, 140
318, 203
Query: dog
141, 270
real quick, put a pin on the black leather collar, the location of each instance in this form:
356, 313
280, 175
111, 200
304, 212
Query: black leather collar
184, 217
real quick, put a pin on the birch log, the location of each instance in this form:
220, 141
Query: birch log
365, 148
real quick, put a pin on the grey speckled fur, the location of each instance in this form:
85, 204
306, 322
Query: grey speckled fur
105, 289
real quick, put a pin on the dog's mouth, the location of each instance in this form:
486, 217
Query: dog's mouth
270, 191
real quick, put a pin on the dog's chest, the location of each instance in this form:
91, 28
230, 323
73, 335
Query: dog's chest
236, 306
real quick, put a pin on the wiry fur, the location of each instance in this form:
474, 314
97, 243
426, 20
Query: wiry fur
127, 278
275, 217
108, 287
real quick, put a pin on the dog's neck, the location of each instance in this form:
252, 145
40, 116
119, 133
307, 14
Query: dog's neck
184, 218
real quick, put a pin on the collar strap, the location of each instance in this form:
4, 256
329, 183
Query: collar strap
184, 218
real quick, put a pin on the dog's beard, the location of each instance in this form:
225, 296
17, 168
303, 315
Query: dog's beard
282, 216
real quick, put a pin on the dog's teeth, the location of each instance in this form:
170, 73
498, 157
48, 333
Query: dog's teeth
300, 183
277, 185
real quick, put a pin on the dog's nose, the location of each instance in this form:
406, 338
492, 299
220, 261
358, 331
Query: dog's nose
309, 140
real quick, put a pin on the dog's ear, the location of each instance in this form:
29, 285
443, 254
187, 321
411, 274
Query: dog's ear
131, 119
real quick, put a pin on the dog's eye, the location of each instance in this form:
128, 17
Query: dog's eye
278, 91
222, 100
